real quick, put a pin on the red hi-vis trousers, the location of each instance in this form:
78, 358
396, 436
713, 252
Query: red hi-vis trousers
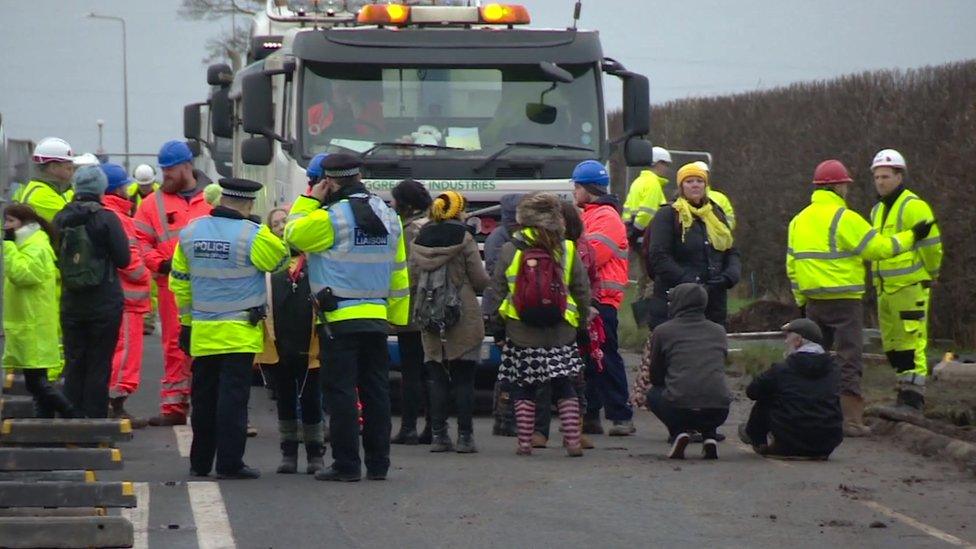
175, 392
127, 362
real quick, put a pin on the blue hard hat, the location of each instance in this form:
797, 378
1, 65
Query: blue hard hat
591, 172
314, 170
117, 176
173, 153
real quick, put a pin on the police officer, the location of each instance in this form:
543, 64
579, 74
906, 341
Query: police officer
218, 280
358, 275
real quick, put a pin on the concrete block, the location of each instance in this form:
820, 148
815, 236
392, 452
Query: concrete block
66, 532
65, 431
13, 406
950, 370
63, 476
59, 459
67, 494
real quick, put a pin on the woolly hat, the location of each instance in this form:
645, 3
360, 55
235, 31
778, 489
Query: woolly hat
542, 211
89, 180
448, 205
693, 169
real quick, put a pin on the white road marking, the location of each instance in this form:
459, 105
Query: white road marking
139, 516
909, 521
184, 436
210, 516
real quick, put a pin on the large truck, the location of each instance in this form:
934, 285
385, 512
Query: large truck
458, 97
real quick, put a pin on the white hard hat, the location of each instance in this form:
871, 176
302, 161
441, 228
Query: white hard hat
87, 159
660, 154
702, 164
890, 158
144, 174
53, 149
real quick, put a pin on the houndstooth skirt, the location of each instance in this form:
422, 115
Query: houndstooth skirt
533, 365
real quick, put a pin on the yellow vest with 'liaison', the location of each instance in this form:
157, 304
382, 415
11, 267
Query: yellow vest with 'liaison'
911, 266
507, 308
827, 245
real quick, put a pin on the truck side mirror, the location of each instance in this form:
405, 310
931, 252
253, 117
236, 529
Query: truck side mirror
638, 152
257, 107
220, 109
637, 104
256, 151
219, 74
191, 121
194, 147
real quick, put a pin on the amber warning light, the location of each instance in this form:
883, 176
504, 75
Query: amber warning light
399, 14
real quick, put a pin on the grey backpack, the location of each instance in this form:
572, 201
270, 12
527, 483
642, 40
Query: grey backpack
437, 305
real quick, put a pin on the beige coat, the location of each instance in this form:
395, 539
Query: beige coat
466, 272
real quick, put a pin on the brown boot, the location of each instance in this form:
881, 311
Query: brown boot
167, 420
539, 440
586, 443
117, 411
853, 408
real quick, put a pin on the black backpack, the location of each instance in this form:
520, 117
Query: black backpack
437, 305
81, 265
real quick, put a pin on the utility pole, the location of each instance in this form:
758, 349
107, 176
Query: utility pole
125, 79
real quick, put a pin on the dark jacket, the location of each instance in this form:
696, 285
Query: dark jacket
450, 243
111, 243
501, 235
803, 398
688, 353
673, 261
292, 308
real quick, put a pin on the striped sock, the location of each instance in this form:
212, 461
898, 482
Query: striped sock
524, 423
569, 416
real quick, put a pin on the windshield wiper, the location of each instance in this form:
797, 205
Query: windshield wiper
530, 145
384, 144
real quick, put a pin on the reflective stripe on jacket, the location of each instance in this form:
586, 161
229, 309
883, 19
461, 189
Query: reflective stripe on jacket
608, 237
44, 198
367, 273
912, 266
159, 220
30, 305
827, 245
650, 187
507, 308
135, 278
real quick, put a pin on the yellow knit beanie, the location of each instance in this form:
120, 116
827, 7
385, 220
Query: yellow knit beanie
448, 205
693, 169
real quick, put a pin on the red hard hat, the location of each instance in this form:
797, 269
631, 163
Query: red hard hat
830, 172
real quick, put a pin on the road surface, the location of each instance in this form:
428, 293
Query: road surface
622, 494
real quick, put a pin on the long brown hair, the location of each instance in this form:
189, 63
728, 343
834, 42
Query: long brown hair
25, 214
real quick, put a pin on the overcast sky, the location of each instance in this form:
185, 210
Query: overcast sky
59, 71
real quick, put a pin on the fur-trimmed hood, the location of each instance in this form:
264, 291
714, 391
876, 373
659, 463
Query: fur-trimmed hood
542, 211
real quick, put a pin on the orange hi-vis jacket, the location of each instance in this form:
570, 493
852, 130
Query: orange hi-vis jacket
135, 278
159, 220
605, 231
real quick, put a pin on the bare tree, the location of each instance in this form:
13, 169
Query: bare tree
230, 43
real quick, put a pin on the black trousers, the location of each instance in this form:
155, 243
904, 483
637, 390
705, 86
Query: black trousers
218, 397
48, 398
412, 390
684, 420
543, 404
297, 384
459, 375
349, 361
89, 345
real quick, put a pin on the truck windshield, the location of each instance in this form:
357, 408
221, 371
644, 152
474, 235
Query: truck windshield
472, 112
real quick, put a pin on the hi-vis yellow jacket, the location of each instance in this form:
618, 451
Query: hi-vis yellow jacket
920, 263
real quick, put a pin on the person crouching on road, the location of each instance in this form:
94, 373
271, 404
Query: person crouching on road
93, 247
411, 200
30, 311
689, 393
357, 271
445, 260
797, 411
217, 275
542, 285
127, 362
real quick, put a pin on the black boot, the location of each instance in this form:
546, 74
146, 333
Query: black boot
425, 436
441, 441
504, 425
407, 436
315, 455
910, 401
437, 387
465, 443
289, 457
56, 401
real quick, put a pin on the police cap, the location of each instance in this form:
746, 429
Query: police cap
341, 165
239, 188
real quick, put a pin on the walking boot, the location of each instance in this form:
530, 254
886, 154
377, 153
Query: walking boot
289, 457
117, 411
407, 436
853, 408
425, 435
465, 443
592, 425
622, 428
441, 441
539, 440
586, 443
314, 436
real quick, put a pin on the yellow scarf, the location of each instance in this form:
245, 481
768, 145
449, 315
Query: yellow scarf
719, 233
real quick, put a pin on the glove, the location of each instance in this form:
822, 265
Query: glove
165, 267
633, 233
921, 230
184, 340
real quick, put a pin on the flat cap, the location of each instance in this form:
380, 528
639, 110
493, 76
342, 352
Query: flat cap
341, 165
239, 188
805, 328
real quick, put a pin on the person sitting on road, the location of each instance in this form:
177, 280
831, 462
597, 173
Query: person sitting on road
689, 393
444, 257
797, 411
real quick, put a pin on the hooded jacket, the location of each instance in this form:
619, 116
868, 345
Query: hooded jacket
449, 242
688, 353
607, 234
501, 235
108, 236
803, 397
30, 308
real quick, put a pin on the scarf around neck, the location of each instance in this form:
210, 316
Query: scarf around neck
718, 232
